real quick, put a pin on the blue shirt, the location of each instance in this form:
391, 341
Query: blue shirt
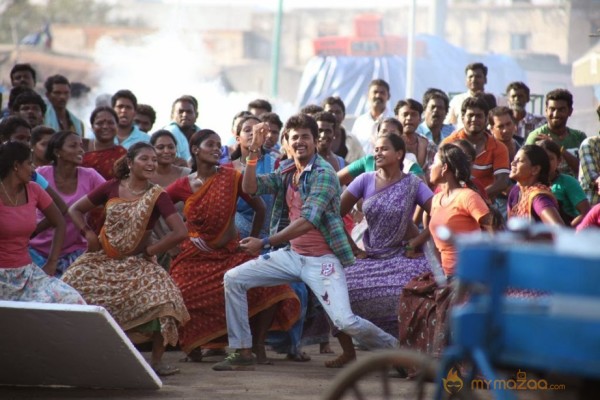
135, 136
424, 130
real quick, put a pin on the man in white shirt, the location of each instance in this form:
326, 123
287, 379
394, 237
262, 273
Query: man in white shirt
365, 126
475, 80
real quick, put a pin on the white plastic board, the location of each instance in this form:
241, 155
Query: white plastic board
68, 345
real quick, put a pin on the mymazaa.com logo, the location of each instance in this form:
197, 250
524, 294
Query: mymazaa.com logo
454, 383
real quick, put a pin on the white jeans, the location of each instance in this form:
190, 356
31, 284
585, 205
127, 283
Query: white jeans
325, 277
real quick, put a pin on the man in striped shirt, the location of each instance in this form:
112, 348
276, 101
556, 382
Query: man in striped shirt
491, 165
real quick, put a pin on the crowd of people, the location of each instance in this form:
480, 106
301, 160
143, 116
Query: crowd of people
284, 233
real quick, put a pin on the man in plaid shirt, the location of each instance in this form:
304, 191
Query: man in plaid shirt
589, 166
309, 188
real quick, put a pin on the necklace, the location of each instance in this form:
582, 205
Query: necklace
138, 192
14, 203
215, 169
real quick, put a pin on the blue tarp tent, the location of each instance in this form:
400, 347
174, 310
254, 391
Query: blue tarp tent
442, 67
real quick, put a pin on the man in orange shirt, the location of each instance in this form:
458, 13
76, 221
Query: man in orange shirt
491, 166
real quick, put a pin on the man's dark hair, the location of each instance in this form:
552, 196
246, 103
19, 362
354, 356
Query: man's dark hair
271, 118
560, 94
16, 92
124, 94
331, 100
301, 121
434, 93
477, 66
24, 67
498, 112
380, 82
9, 125
187, 98
260, 103
474, 102
410, 103
517, 85
311, 109
28, 97
148, 111
55, 80
326, 116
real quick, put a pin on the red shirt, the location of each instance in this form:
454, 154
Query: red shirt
312, 243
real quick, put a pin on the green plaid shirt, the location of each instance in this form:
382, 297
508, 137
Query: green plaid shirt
320, 193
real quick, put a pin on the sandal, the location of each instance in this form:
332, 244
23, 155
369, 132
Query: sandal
298, 357
193, 356
339, 362
162, 369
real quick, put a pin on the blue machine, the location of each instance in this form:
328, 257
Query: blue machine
556, 330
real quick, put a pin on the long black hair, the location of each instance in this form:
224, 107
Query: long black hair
237, 153
459, 164
11, 153
121, 169
196, 140
538, 157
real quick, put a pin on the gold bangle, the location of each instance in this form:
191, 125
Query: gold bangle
253, 151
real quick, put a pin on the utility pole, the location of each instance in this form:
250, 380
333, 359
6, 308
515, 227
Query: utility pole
410, 51
275, 51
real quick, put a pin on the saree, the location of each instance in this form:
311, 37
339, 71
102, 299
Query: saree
31, 283
103, 161
375, 282
524, 206
199, 268
133, 289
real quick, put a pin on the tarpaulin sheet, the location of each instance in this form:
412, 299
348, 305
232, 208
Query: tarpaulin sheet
442, 67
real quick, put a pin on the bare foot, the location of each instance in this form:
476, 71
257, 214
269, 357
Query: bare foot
325, 348
340, 361
261, 354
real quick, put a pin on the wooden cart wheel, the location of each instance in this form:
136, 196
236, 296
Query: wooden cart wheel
347, 384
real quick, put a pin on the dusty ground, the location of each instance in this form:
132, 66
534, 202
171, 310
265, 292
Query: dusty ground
284, 380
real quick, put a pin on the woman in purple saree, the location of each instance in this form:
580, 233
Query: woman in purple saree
389, 260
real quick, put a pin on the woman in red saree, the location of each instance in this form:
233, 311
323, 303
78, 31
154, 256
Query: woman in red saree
102, 154
210, 195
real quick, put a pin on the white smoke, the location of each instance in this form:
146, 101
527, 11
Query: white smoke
160, 67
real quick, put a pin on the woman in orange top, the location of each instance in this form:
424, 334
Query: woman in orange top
458, 206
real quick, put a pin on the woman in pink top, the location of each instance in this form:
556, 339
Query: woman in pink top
71, 181
20, 279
